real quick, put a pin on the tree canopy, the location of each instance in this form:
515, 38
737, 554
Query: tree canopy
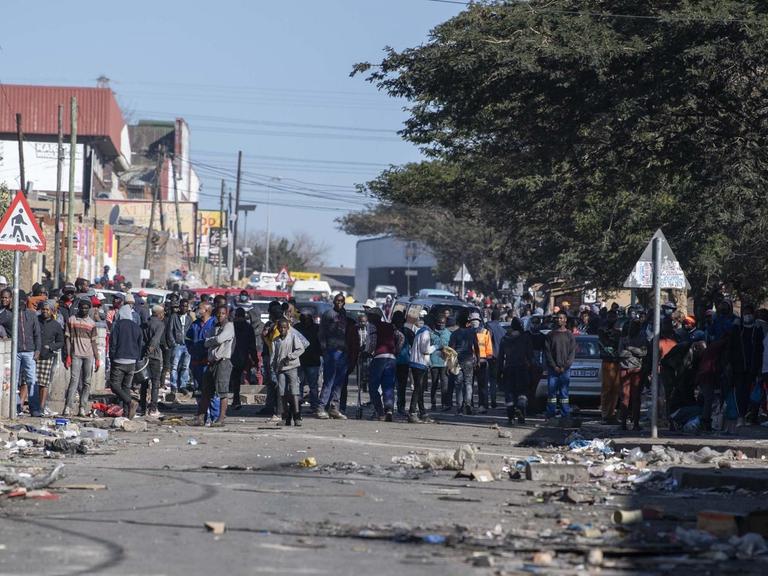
560, 135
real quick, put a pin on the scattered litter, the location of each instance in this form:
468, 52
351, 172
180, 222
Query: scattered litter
597, 446
216, 527
627, 516
749, 545
155, 440
82, 487
595, 557
463, 458
192, 441
433, 539
308, 462
41, 495
27, 481
96, 434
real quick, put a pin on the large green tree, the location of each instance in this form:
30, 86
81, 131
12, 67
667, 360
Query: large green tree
568, 131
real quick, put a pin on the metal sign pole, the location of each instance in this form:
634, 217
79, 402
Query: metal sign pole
656, 336
15, 335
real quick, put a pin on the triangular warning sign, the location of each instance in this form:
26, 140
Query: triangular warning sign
284, 276
671, 274
19, 229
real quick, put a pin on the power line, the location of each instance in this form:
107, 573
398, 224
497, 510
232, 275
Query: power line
294, 159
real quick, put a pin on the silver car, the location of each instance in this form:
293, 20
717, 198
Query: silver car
586, 372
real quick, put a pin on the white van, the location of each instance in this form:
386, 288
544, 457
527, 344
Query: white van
311, 290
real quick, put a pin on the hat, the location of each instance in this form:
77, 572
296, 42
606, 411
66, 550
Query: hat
69, 288
100, 296
129, 299
118, 296
370, 303
46, 304
3, 280
474, 316
85, 299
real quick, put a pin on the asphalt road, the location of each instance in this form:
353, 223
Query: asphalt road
355, 513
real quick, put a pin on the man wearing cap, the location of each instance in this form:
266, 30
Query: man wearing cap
176, 333
67, 302
82, 356
131, 302
3, 282
51, 341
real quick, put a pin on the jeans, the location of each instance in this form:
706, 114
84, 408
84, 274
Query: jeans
382, 375
152, 385
493, 380
464, 384
120, 379
557, 387
180, 367
334, 376
447, 398
401, 376
482, 383
437, 374
310, 375
27, 366
79, 382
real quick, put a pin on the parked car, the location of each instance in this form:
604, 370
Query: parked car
586, 372
315, 309
435, 293
153, 295
436, 306
381, 292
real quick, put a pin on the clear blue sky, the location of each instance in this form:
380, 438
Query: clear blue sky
269, 78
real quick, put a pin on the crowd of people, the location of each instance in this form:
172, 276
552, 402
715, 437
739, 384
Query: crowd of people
207, 348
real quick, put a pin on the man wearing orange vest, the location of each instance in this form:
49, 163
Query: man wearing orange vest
485, 344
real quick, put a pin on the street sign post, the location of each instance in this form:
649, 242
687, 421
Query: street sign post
20, 232
462, 276
657, 268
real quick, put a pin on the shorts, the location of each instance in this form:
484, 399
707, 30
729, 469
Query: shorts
288, 382
216, 379
45, 370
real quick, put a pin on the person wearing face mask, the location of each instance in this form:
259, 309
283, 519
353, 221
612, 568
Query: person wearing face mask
746, 353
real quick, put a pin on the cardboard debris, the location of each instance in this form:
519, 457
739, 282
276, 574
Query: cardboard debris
83, 487
216, 527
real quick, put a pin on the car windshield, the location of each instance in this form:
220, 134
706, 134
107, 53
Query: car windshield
439, 309
587, 348
311, 295
153, 299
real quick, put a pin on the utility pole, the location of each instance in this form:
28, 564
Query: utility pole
237, 212
231, 223
178, 212
269, 235
221, 234
57, 220
159, 188
155, 196
71, 206
20, 135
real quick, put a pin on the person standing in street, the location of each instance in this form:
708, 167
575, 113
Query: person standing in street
497, 334
176, 333
560, 352
310, 360
485, 345
384, 342
441, 337
464, 342
632, 350
216, 379
27, 355
402, 359
610, 390
154, 334
82, 356
51, 341
125, 346
244, 356
285, 361
421, 351
515, 359
200, 329
333, 342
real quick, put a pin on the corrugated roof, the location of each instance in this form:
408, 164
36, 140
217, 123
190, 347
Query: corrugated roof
98, 113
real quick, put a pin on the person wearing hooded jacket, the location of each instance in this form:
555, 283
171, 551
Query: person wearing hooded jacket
125, 348
421, 350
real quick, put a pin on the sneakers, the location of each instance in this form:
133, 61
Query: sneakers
322, 414
336, 415
134, 406
48, 412
66, 412
82, 413
388, 416
155, 413
414, 419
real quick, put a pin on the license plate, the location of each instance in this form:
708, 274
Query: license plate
584, 372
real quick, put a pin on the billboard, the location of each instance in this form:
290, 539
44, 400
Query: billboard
138, 212
39, 165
